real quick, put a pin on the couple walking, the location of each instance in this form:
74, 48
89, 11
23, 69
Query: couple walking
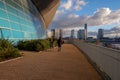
59, 43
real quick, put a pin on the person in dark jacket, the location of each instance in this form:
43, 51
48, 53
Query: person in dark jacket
52, 42
59, 42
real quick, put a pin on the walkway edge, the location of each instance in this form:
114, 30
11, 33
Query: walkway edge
96, 67
10, 60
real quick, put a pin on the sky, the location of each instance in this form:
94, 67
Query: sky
73, 14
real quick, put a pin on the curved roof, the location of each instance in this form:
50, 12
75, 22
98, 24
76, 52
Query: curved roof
47, 9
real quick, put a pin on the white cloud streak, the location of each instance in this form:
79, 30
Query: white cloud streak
67, 5
103, 16
79, 4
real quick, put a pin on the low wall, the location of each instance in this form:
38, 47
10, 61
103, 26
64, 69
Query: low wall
107, 59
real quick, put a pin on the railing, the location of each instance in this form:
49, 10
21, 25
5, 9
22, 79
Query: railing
107, 59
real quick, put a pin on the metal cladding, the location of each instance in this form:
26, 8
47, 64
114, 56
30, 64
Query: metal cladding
47, 9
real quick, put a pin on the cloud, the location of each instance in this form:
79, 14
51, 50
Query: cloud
59, 13
117, 28
92, 33
67, 10
100, 17
102, 12
67, 5
79, 4
104, 16
73, 4
113, 32
73, 16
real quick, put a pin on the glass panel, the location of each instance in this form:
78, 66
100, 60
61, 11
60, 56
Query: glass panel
6, 33
10, 2
3, 14
27, 35
17, 34
24, 28
4, 23
2, 6
12, 10
13, 18
15, 26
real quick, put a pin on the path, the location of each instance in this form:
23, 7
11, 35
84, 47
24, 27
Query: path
70, 64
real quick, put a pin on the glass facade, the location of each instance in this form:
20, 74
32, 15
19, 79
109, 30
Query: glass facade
20, 20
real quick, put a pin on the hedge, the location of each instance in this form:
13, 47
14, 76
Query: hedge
34, 45
7, 51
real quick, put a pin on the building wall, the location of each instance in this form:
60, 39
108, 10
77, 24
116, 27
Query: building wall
20, 20
81, 34
47, 9
100, 33
72, 33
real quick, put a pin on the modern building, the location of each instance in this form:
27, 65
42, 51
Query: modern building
60, 32
72, 34
56, 33
85, 27
53, 32
81, 34
26, 19
100, 34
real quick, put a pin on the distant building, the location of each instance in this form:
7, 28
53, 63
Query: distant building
60, 32
53, 32
85, 31
72, 34
56, 33
100, 34
81, 34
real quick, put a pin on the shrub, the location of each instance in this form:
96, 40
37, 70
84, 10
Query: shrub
45, 44
7, 50
38, 47
21, 45
34, 45
55, 42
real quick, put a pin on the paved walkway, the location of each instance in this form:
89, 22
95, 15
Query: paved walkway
70, 64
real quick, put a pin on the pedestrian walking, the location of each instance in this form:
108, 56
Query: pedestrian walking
52, 42
59, 42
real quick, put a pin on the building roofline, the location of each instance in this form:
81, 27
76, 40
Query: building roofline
47, 9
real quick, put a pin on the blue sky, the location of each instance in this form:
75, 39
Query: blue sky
73, 14
92, 5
